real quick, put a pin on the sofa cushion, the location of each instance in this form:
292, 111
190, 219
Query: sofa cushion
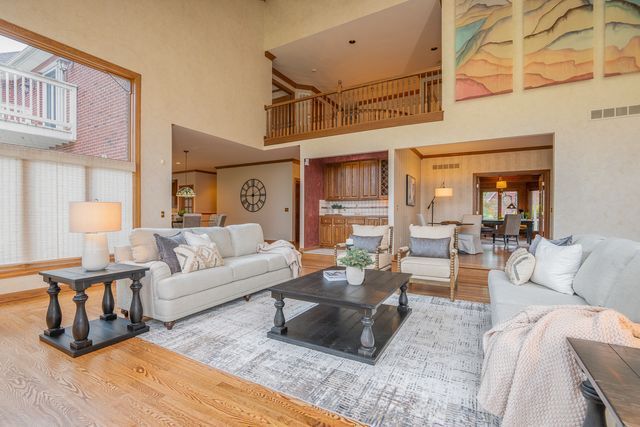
220, 236
201, 257
430, 248
520, 266
564, 241
166, 246
372, 230
143, 243
247, 266
588, 243
556, 266
245, 238
180, 284
368, 243
275, 261
429, 267
507, 299
433, 232
606, 277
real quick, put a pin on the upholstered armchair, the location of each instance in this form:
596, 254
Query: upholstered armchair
381, 255
436, 268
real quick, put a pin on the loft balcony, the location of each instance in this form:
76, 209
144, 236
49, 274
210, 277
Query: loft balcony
36, 111
397, 101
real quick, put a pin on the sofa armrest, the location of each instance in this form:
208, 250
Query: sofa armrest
122, 253
158, 270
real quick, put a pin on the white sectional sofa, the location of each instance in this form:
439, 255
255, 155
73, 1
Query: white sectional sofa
608, 277
168, 297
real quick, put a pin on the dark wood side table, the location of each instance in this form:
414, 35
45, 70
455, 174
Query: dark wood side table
613, 381
109, 329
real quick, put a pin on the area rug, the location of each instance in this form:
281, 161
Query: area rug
428, 376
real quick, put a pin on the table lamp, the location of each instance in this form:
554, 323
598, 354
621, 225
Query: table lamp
94, 219
440, 192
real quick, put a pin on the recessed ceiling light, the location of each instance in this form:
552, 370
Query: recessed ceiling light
352, 41
434, 48
313, 70
178, 163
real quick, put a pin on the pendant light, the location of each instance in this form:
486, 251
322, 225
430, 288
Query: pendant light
501, 184
186, 191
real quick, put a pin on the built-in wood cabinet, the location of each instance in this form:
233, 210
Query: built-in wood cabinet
357, 180
337, 228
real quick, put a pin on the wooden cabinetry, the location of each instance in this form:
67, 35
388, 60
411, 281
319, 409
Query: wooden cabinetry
336, 229
358, 180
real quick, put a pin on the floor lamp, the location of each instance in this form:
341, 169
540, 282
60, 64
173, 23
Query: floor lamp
440, 192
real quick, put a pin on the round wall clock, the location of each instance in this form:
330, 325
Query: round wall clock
253, 195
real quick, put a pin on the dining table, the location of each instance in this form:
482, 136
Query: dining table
494, 223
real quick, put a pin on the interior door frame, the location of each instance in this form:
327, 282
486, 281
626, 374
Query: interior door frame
546, 193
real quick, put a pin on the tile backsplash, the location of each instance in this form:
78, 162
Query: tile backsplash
355, 207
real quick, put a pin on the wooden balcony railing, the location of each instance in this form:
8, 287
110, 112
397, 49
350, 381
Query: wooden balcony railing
409, 99
34, 104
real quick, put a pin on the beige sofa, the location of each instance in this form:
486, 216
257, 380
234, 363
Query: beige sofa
168, 297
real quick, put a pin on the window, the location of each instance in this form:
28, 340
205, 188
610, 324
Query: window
490, 205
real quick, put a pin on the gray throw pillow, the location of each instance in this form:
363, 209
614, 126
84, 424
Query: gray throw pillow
368, 243
565, 241
430, 248
166, 246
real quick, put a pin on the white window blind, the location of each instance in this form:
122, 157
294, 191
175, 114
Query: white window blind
35, 201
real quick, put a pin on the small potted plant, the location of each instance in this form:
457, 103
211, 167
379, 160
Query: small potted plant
336, 207
355, 260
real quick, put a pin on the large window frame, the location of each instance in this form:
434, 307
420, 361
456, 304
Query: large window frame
38, 41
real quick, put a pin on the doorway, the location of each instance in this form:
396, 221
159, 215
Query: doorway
524, 192
296, 212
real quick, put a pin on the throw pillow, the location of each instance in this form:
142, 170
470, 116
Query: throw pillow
194, 239
193, 258
565, 241
556, 266
520, 266
430, 248
166, 245
368, 243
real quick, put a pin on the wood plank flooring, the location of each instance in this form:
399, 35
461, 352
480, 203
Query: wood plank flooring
139, 383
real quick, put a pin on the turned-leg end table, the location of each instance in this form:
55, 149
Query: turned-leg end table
85, 336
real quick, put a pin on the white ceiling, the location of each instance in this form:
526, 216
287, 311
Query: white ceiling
487, 144
394, 41
206, 152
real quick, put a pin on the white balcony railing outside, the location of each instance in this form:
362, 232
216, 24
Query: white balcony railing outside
37, 105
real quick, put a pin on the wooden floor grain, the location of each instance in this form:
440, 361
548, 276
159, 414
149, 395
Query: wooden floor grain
130, 383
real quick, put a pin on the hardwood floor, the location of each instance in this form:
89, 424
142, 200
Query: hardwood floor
130, 383
139, 383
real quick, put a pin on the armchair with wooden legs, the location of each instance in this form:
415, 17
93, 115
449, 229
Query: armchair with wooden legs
426, 269
380, 259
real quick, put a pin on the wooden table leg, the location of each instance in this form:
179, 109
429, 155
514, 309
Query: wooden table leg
279, 320
595, 408
107, 303
403, 301
80, 327
135, 312
367, 340
54, 314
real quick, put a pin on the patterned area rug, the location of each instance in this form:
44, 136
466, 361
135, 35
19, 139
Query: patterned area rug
428, 375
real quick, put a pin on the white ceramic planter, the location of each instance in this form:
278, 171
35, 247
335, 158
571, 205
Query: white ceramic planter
355, 276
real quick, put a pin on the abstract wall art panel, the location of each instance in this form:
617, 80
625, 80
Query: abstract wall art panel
621, 37
558, 41
484, 48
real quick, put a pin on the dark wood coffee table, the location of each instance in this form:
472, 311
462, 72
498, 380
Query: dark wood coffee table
349, 321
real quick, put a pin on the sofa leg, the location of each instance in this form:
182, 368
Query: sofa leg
169, 325
247, 297
125, 313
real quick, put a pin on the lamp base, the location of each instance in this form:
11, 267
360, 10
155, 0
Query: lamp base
95, 254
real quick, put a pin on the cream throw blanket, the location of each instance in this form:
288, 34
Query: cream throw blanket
529, 376
291, 255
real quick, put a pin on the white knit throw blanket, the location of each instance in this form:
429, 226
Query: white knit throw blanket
529, 377
291, 255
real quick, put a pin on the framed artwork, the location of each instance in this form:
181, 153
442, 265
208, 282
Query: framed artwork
484, 48
621, 37
411, 191
558, 42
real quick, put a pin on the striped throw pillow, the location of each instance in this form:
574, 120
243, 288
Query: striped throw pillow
520, 266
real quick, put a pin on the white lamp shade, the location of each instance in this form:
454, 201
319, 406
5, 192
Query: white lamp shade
444, 192
94, 217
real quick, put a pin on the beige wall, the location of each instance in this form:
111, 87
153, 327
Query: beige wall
595, 162
191, 53
461, 179
289, 20
406, 163
278, 181
205, 186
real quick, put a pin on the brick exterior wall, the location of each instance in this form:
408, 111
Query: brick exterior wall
103, 114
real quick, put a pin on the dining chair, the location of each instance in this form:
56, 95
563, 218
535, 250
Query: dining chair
191, 220
509, 228
220, 220
469, 235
